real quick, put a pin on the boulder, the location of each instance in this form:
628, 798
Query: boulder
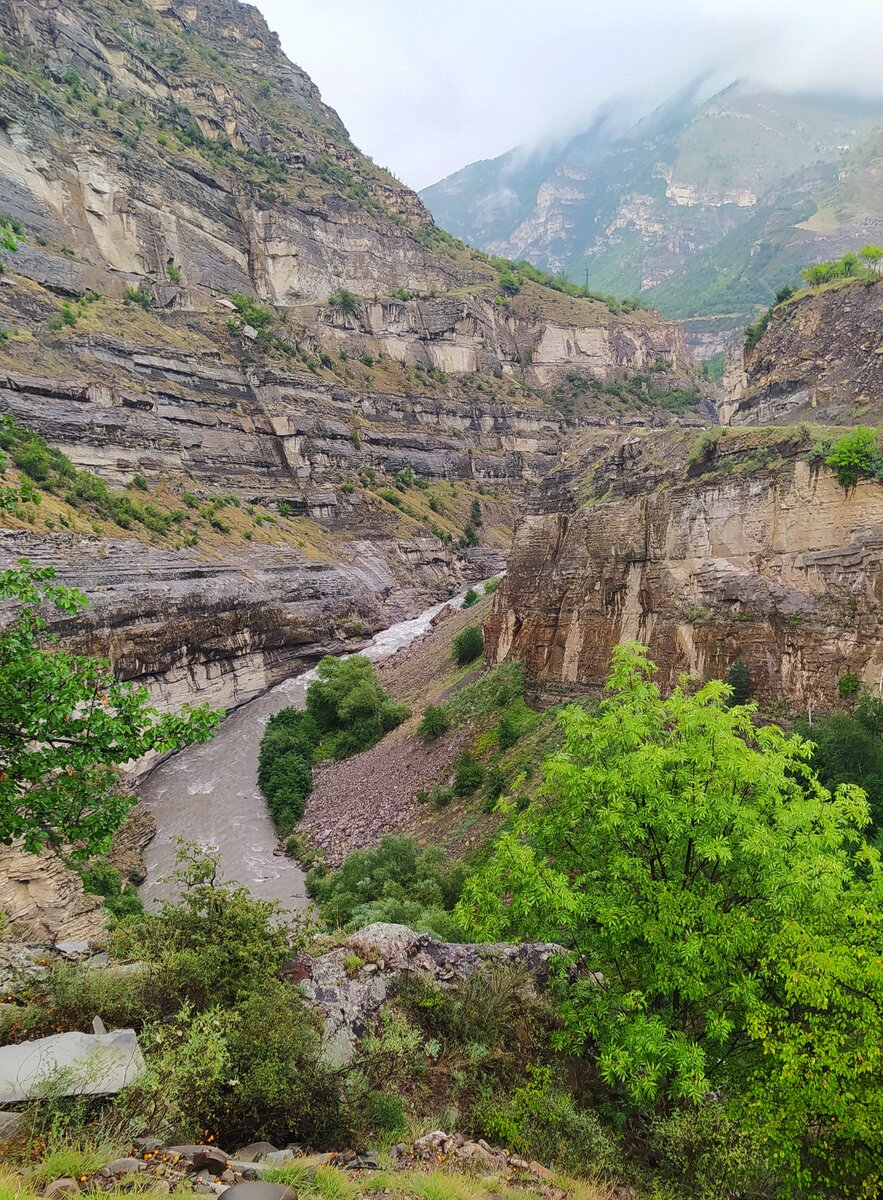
79, 1063
260, 1189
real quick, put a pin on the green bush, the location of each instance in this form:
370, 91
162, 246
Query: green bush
711, 1154
251, 312
396, 882
539, 1119
467, 645
137, 296
101, 879
350, 709
491, 586
434, 722
285, 759
848, 685
471, 597
346, 301
515, 721
738, 680
468, 774
856, 454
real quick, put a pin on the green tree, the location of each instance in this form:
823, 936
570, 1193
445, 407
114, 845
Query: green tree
737, 678
682, 854
475, 517
67, 724
872, 255
350, 709
856, 453
848, 263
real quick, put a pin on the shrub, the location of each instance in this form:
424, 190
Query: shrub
468, 774
396, 882
391, 497
515, 721
540, 1119
471, 597
137, 296
848, 685
346, 301
738, 680
854, 455
468, 645
434, 722
174, 273
101, 879
251, 312
491, 586
350, 709
494, 786
711, 1153
285, 765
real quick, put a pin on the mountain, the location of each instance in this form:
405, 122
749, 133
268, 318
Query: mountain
705, 208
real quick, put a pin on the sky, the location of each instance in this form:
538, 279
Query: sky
426, 88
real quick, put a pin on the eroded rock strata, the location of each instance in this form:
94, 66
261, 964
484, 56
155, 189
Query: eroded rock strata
737, 553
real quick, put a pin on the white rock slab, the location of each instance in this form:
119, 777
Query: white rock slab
70, 1064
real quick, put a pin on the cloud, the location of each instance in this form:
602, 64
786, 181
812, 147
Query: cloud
425, 88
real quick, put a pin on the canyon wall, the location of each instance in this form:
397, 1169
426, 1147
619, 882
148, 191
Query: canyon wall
820, 359
744, 551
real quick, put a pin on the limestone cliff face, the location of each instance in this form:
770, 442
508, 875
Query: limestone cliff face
820, 358
773, 563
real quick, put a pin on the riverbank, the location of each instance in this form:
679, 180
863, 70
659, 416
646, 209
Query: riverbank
209, 794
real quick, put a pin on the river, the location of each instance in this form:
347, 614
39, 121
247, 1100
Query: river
209, 794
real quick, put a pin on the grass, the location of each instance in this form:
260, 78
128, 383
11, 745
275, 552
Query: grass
70, 1162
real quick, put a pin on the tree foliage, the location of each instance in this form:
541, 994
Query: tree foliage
396, 882
285, 774
856, 454
467, 645
724, 907
67, 725
349, 707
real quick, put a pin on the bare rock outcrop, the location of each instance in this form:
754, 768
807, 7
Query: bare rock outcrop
44, 901
755, 554
348, 999
820, 359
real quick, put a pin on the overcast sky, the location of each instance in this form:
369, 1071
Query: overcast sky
426, 88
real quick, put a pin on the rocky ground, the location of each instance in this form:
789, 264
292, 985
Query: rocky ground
356, 802
449, 1162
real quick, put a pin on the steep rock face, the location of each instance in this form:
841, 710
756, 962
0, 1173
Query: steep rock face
205, 628
821, 358
43, 900
88, 159
775, 564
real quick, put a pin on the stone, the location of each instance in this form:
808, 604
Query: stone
148, 1144
59, 1188
98, 1025
93, 1064
540, 1171
10, 1123
276, 1158
255, 1151
123, 1166
211, 1159
260, 1190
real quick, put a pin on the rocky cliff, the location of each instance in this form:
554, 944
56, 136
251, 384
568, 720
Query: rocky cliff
210, 294
732, 547
821, 358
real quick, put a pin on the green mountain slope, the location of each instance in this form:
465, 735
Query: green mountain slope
704, 207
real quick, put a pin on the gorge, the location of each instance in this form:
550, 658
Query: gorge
558, 656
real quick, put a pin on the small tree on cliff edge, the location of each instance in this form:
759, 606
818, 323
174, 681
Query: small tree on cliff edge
66, 724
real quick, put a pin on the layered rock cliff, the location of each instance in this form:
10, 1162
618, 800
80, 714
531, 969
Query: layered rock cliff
209, 293
821, 358
706, 552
